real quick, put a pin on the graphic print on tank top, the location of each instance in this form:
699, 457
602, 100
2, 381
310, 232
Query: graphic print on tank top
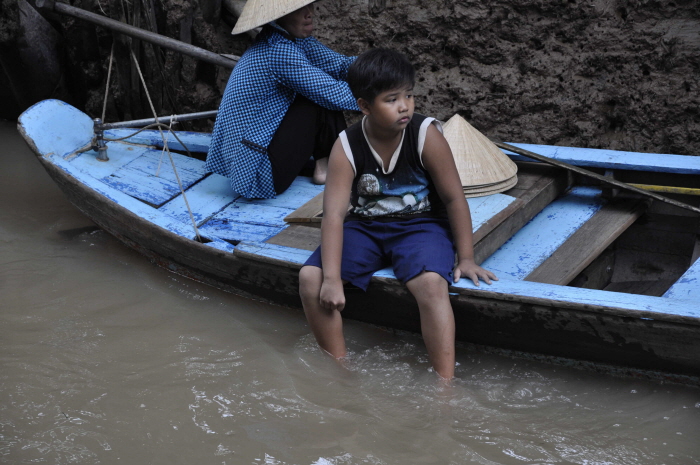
402, 189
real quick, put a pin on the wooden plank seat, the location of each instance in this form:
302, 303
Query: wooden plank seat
545, 233
588, 242
563, 239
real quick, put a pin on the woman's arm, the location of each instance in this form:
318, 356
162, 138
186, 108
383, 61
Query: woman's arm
326, 59
439, 162
291, 68
336, 199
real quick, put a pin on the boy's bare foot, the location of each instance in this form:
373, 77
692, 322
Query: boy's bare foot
320, 171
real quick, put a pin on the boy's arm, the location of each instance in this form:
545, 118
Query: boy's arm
438, 160
336, 198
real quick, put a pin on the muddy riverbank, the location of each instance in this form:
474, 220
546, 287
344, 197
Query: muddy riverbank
619, 74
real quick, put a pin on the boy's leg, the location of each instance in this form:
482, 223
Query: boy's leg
436, 319
327, 325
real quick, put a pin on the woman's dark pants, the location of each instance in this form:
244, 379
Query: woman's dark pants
306, 130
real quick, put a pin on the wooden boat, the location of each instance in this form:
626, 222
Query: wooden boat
588, 277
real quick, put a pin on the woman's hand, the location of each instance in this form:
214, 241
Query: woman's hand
467, 268
332, 295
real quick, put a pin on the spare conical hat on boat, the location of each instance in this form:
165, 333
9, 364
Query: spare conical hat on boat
259, 12
479, 162
481, 191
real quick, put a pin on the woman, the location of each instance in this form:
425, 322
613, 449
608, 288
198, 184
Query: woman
283, 102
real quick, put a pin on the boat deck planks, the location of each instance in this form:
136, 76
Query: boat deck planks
206, 198
258, 220
588, 242
311, 212
151, 178
538, 185
196, 141
545, 233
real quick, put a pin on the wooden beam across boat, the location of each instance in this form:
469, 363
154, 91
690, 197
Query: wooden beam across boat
588, 242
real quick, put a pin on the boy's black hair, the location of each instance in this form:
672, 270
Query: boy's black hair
378, 70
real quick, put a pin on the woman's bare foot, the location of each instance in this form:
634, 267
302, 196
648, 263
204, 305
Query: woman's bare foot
320, 171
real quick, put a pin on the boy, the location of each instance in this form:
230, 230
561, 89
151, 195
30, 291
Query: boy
395, 171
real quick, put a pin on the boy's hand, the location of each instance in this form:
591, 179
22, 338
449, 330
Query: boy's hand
332, 295
468, 269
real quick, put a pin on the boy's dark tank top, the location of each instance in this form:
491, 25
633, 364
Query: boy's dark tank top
407, 191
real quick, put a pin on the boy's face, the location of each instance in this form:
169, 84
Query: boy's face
392, 109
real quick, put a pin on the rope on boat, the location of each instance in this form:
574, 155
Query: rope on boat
109, 76
165, 146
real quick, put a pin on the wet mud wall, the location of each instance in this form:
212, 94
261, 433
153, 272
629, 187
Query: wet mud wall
618, 74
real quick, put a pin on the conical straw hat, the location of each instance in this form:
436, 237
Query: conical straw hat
493, 189
479, 162
259, 12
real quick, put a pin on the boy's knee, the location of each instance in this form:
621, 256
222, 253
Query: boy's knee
428, 284
310, 278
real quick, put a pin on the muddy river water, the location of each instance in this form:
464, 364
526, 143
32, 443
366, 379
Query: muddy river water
107, 359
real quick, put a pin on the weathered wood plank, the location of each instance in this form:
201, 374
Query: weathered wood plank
255, 219
486, 211
151, 177
135, 206
206, 198
310, 212
537, 240
236, 231
587, 243
613, 159
538, 185
688, 286
300, 191
119, 155
287, 257
195, 141
298, 236
569, 297
56, 127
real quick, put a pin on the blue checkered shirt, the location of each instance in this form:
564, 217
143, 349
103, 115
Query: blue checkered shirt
261, 88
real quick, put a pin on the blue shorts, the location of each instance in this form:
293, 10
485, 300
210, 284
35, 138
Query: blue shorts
409, 246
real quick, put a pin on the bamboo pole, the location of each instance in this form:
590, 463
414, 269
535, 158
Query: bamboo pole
668, 189
146, 36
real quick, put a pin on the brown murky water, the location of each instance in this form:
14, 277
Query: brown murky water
106, 359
